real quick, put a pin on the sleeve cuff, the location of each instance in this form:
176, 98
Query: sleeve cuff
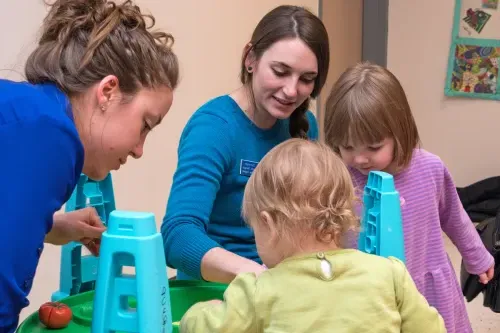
481, 266
189, 245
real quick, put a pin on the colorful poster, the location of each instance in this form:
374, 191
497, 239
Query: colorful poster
476, 19
476, 69
474, 56
490, 4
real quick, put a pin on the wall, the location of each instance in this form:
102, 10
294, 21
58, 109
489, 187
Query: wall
464, 132
343, 21
210, 36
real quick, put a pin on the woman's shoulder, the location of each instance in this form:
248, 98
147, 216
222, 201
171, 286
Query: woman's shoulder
212, 123
222, 107
25, 102
310, 115
20, 91
217, 117
11, 89
43, 108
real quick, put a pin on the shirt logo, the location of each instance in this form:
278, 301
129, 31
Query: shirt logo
247, 167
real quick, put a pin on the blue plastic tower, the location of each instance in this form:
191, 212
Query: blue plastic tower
79, 272
131, 239
381, 226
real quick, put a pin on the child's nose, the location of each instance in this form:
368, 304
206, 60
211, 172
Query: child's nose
360, 159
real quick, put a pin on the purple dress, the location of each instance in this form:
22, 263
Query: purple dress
430, 205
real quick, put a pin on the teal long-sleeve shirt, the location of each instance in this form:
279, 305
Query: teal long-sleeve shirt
218, 150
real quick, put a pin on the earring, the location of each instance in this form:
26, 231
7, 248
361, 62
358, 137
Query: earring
249, 69
103, 108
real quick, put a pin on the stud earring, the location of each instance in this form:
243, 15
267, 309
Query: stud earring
249, 69
103, 108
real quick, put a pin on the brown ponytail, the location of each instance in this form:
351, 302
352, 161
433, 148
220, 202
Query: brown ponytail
299, 124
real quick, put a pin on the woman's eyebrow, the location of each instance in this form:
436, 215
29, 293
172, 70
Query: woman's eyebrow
280, 63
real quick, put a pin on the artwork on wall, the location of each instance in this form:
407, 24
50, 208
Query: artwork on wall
474, 58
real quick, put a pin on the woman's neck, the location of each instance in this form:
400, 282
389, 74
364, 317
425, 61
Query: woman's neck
261, 118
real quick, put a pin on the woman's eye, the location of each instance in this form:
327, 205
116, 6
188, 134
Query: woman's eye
374, 148
278, 73
146, 127
308, 79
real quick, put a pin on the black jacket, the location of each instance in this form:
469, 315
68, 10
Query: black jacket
489, 231
481, 201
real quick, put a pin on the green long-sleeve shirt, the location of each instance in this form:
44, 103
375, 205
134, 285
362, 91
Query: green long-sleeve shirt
343, 291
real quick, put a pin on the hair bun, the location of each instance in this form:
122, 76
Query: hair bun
69, 16
82, 41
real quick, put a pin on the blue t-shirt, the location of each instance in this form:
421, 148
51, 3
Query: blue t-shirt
42, 158
218, 150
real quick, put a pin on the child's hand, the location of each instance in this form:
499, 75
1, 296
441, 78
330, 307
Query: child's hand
214, 301
486, 277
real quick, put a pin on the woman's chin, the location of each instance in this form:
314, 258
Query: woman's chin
96, 175
280, 114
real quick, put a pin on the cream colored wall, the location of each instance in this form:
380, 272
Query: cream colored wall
464, 132
209, 36
344, 22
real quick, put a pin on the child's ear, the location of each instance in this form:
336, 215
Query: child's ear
268, 222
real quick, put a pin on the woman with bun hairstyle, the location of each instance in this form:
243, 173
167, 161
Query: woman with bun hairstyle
96, 84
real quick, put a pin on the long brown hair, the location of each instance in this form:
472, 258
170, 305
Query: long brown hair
366, 105
291, 22
83, 41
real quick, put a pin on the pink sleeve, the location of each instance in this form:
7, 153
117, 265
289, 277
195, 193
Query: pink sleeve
457, 225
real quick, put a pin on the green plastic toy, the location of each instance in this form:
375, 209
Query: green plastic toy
183, 294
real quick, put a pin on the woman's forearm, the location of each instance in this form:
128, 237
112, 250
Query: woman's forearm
220, 265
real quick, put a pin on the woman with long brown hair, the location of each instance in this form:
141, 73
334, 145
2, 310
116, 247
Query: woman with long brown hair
284, 65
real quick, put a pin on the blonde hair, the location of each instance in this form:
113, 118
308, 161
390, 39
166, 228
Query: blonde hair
305, 187
366, 105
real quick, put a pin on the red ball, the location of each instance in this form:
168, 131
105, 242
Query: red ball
55, 314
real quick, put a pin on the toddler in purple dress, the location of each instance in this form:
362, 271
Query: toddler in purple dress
368, 122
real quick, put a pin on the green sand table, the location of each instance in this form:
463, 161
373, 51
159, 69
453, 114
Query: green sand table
183, 294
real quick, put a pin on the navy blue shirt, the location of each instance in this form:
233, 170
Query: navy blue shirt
41, 161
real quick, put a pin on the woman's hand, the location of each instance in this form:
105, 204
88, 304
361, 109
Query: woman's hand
220, 265
83, 225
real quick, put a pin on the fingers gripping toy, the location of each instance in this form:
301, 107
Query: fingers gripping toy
78, 271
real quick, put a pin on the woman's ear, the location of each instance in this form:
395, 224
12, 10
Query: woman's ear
108, 90
249, 57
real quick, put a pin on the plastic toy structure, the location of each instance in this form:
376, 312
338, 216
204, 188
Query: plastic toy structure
381, 226
104, 298
131, 240
79, 272
115, 300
